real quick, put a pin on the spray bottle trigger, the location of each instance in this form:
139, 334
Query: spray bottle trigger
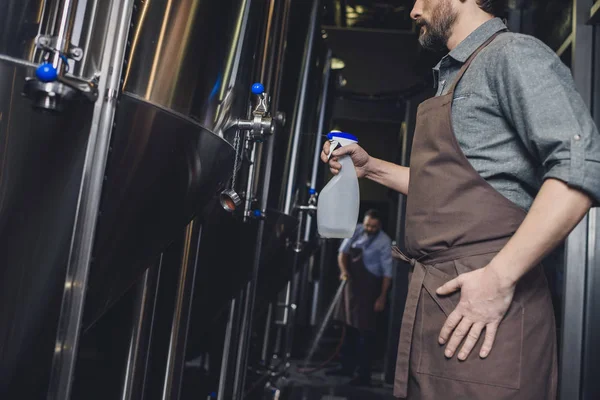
334, 145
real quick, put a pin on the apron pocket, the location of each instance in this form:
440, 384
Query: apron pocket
501, 368
434, 278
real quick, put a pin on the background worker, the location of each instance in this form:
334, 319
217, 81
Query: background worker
365, 261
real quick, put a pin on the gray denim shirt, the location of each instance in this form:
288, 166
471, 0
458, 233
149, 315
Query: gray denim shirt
518, 117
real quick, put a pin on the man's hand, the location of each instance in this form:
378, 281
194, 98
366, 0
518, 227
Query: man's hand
380, 304
359, 156
344, 276
484, 300
393, 176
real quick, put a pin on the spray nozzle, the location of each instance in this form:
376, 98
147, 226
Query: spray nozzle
339, 139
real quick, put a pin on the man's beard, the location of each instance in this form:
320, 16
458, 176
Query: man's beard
438, 29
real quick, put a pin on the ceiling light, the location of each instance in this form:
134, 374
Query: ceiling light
337, 63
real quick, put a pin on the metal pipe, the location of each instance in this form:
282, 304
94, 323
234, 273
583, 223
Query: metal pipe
273, 77
265, 346
321, 126
292, 298
591, 356
18, 61
278, 341
226, 351
87, 36
289, 328
275, 89
286, 304
577, 243
317, 288
63, 33
315, 303
300, 105
181, 316
137, 357
248, 317
135, 338
574, 307
276, 92
250, 184
240, 367
292, 295
69, 325
318, 145
302, 301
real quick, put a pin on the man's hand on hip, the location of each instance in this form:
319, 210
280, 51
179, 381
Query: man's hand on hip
484, 300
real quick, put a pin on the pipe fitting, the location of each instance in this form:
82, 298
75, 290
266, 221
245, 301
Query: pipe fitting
262, 124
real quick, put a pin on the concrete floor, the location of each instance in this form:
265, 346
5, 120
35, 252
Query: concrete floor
318, 386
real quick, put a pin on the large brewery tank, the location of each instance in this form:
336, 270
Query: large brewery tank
41, 164
186, 79
191, 63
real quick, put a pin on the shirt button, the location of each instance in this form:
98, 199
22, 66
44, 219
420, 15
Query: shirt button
577, 137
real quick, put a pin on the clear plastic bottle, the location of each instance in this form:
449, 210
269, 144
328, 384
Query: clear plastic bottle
339, 201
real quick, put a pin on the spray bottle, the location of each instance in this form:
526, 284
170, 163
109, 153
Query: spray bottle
339, 201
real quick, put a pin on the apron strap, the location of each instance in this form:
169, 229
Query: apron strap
467, 63
406, 332
397, 253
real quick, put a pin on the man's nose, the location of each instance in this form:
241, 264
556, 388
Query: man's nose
417, 10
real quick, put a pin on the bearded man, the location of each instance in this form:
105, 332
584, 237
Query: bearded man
505, 163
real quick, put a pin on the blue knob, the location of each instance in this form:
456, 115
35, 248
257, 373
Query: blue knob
312, 191
46, 72
213, 395
258, 88
257, 213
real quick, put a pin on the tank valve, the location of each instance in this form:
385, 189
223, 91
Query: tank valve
257, 214
230, 200
46, 72
314, 196
51, 89
262, 124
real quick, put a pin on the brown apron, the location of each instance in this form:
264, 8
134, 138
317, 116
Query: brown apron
357, 305
455, 223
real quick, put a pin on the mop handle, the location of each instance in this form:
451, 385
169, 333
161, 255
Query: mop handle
336, 299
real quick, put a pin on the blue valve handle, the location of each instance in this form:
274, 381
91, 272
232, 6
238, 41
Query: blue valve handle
46, 72
258, 88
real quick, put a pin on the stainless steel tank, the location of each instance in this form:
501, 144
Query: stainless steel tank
196, 57
245, 45
41, 164
97, 170
190, 64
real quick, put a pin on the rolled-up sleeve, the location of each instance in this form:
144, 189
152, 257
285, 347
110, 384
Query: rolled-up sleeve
345, 246
537, 94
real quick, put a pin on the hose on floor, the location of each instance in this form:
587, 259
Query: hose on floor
262, 379
308, 371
